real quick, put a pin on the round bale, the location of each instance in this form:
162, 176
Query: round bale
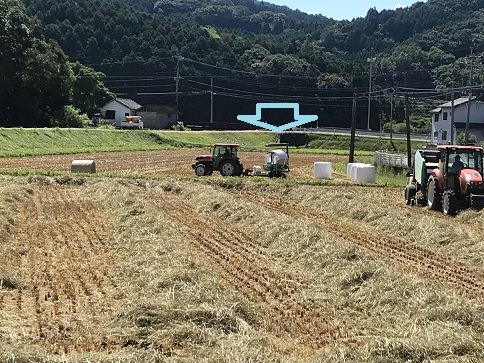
83, 166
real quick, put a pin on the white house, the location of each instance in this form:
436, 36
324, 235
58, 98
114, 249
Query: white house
442, 120
117, 109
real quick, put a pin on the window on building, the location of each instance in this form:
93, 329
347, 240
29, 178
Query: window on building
436, 135
110, 114
126, 114
444, 135
436, 117
444, 116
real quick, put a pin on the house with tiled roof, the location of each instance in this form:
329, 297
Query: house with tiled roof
116, 110
154, 116
442, 120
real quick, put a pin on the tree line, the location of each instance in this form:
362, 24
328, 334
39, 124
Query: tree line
135, 48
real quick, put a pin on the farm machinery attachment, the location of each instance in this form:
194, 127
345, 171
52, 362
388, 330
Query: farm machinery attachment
447, 178
276, 163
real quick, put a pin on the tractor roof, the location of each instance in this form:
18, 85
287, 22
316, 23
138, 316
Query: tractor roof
459, 147
221, 144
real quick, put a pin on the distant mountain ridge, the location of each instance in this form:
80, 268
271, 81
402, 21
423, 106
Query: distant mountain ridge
424, 46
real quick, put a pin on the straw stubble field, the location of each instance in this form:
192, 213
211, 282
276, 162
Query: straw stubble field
175, 162
180, 269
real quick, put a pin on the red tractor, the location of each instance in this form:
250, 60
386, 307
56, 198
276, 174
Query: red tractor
447, 178
223, 159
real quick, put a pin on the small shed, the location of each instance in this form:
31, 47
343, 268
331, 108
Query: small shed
158, 116
116, 110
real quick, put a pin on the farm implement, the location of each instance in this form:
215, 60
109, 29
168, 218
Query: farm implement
447, 178
225, 160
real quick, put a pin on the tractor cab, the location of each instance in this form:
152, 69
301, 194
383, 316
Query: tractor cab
223, 151
462, 168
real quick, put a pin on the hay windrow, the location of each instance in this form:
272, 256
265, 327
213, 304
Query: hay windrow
144, 270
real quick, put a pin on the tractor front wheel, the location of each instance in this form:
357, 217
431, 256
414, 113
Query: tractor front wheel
410, 192
200, 170
449, 203
434, 197
229, 168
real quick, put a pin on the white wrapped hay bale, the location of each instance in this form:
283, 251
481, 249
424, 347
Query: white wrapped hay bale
364, 173
323, 170
83, 166
360, 172
348, 169
352, 170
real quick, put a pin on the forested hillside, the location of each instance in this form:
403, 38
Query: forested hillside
240, 52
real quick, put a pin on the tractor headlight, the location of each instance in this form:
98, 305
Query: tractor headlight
475, 184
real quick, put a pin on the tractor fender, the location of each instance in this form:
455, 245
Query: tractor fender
439, 177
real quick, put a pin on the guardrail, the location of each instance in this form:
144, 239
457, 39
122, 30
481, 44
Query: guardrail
390, 159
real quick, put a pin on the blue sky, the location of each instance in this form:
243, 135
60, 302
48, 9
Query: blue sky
342, 9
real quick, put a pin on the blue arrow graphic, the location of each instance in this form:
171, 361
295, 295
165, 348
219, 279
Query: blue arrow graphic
256, 119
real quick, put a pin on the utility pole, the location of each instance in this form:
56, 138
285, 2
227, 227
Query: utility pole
452, 118
391, 120
177, 80
469, 100
371, 61
391, 123
353, 130
407, 120
211, 100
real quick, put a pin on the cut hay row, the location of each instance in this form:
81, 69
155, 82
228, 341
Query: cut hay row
390, 312
245, 265
173, 270
468, 281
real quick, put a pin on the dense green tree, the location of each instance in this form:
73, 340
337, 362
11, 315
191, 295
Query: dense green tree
38, 81
89, 91
35, 75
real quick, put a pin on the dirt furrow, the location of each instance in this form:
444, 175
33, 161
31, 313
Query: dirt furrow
443, 269
246, 267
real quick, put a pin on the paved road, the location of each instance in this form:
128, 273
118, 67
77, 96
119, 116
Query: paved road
341, 131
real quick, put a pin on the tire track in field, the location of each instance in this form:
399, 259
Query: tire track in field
445, 270
63, 259
247, 267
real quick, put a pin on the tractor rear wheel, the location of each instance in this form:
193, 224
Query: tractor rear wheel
434, 197
200, 170
229, 168
410, 192
449, 203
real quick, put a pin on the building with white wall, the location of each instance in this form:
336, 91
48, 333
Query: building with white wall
442, 120
116, 110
